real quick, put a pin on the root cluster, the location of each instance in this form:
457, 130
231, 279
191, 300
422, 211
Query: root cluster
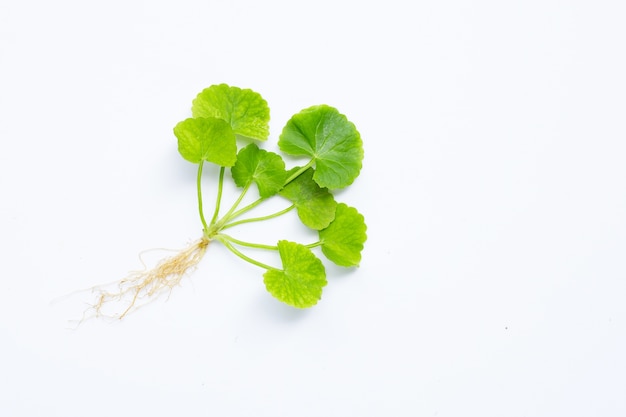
142, 287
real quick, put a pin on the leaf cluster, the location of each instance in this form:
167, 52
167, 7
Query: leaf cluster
332, 153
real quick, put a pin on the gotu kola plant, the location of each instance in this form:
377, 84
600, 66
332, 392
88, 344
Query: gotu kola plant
332, 150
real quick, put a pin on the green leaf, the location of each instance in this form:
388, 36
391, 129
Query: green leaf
266, 169
332, 142
342, 241
300, 282
316, 206
207, 139
245, 110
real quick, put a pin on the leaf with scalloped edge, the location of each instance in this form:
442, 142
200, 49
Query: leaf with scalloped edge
302, 278
330, 140
265, 169
206, 139
245, 110
315, 205
342, 241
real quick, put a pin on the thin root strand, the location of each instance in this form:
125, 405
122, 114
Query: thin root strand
141, 287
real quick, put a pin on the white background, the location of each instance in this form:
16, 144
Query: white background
493, 186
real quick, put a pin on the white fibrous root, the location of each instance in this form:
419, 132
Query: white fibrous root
142, 287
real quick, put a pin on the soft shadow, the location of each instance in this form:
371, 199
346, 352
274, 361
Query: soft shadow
277, 310
338, 272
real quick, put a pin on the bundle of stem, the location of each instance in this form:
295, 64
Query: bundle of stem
141, 287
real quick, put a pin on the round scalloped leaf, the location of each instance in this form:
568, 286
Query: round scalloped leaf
264, 168
330, 139
206, 139
342, 241
300, 282
316, 206
245, 110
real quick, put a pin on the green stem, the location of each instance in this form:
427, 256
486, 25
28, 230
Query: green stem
257, 219
231, 248
229, 216
199, 186
247, 208
260, 200
314, 245
218, 200
243, 243
300, 171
